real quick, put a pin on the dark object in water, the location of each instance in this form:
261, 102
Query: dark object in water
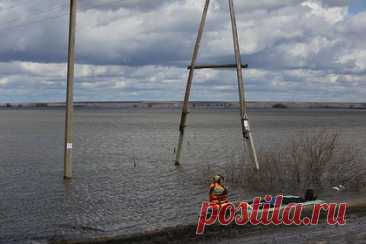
279, 105
287, 199
309, 195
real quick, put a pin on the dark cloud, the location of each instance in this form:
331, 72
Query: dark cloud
139, 49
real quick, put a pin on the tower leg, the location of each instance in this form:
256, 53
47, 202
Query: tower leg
247, 135
183, 119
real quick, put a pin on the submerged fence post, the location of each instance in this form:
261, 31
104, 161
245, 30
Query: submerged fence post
69, 94
183, 119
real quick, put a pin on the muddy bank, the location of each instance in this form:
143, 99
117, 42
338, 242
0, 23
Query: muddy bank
353, 232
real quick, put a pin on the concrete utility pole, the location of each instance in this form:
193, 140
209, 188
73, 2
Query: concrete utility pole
69, 94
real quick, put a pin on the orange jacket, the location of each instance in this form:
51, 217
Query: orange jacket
218, 194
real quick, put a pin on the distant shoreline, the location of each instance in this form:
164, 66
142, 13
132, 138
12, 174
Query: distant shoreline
194, 104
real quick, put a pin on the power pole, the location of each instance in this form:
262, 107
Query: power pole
69, 94
247, 134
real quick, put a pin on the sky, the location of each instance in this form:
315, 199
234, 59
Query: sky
132, 50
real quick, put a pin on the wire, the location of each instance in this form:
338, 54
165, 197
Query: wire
55, 8
24, 24
33, 22
47, 16
101, 4
15, 6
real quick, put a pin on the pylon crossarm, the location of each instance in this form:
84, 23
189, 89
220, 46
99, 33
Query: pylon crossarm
216, 66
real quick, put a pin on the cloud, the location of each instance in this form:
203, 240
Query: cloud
138, 50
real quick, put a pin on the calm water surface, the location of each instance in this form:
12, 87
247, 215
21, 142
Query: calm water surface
124, 177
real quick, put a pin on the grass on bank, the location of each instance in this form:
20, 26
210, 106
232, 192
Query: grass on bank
317, 160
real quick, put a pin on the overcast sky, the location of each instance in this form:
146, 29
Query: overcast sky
312, 50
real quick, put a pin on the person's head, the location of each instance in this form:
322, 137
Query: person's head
218, 178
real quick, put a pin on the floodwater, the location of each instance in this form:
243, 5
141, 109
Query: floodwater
125, 180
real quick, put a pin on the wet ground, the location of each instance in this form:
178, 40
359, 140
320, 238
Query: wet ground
354, 231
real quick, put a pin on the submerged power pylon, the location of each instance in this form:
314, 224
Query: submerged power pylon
247, 135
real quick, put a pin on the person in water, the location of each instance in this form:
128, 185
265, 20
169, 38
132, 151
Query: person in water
218, 192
